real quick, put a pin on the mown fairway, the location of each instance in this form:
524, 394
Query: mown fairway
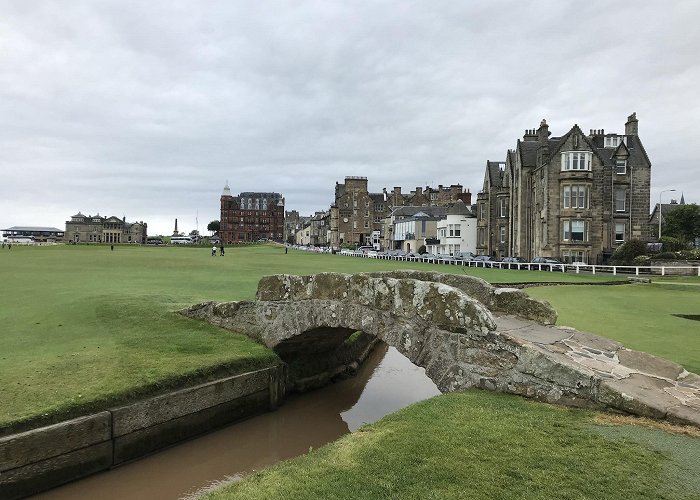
83, 326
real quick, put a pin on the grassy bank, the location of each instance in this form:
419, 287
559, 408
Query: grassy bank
482, 445
84, 327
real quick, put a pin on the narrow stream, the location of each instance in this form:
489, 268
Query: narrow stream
386, 382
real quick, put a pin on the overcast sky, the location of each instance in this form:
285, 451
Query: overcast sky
146, 109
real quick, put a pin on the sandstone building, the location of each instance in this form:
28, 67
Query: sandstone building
251, 216
576, 197
97, 229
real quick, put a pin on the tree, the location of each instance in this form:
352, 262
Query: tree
683, 222
214, 226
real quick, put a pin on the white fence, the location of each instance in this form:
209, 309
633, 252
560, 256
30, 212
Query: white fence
532, 266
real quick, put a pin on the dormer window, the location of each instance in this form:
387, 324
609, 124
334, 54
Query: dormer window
613, 141
620, 167
576, 161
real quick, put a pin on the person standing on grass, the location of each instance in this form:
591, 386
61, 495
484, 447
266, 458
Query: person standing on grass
221, 248
213, 251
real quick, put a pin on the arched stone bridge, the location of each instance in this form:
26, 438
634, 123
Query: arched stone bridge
465, 333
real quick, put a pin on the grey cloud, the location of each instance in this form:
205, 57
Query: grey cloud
147, 108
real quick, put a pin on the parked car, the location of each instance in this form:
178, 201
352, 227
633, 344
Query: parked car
512, 262
551, 263
483, 258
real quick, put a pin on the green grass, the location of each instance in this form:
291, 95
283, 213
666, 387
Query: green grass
84, 327
639, 316
481, 445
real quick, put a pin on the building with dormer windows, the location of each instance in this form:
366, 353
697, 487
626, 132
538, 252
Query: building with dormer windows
251, 216
576, 197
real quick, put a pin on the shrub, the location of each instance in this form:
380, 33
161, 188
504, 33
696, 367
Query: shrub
641, 260
665, 256
671, 244
626, 253
422, 250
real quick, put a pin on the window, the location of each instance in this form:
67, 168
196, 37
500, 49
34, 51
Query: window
354, 203
574, 230
620, 195
620, 167
379, 208
575, 196
503, 207
366, 224
576, 161
502, 231
366, 213
614, 141
433, 196
367, 203
619, 232
481, 236
482, 211
354, 224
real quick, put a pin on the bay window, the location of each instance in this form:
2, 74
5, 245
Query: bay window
577, 160
575, 196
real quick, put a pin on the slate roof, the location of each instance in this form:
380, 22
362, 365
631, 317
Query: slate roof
35, 229
409, 211
459, 208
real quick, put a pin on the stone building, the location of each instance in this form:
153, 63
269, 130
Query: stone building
251, 216
357, 216
576, 197
97, 229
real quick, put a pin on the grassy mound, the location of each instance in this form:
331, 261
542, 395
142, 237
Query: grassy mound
481, 445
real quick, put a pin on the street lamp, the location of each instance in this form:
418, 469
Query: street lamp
662, 192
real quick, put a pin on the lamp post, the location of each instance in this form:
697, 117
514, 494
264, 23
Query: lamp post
662, 192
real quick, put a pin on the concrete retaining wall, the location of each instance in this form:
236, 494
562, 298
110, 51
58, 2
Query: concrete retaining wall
47, 457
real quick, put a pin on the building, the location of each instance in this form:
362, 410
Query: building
576, 197
24, 234
357, 217
456, 233
97, 229
251, 216
413, 227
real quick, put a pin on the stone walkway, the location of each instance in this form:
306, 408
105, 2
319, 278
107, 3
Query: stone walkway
634, 381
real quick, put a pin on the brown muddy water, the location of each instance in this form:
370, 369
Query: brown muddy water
385, 383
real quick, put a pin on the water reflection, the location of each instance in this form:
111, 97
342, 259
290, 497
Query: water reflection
386, 382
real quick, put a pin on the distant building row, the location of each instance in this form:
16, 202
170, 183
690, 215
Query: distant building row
388, 220
575, 197
82, 229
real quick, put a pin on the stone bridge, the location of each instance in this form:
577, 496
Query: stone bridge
465, 333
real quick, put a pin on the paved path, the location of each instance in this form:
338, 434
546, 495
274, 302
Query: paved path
634, 381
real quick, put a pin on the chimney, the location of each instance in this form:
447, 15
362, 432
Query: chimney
419, 190
632, 125
397, 189
543, 133
530, 135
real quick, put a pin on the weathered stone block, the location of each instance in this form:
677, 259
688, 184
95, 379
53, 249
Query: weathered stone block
154, 411
146, 440
42, 475
39, 444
